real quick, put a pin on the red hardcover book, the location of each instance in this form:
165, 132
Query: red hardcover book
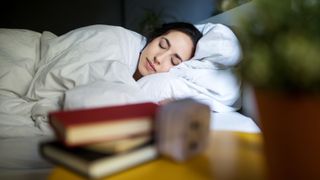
88, 126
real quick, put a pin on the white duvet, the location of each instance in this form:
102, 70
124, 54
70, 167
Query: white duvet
101, 57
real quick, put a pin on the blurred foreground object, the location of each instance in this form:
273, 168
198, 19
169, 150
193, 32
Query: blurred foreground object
291, 131
182, 128
99, 142
281, 44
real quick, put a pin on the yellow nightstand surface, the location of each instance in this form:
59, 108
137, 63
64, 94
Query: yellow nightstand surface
230, 155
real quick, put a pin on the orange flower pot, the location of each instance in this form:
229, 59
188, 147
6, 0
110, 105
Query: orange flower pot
291, 129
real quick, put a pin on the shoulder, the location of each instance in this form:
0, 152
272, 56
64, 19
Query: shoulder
107, 28
117, 31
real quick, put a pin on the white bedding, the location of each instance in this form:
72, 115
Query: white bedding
38, 73
79, 58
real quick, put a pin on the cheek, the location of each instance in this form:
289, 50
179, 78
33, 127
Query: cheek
165, 67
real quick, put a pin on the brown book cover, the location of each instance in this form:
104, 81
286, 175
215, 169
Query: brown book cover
96, 164
88, 126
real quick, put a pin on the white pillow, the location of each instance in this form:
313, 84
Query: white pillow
218, 46
19, 54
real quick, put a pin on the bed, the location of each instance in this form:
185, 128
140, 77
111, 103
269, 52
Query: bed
31, 85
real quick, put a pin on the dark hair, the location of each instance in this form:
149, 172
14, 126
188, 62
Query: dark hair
187, 28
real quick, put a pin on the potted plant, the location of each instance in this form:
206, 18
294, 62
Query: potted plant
281, 44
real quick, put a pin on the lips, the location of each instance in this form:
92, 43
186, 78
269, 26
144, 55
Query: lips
150, 66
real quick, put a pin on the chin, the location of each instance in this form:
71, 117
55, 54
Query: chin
144, 72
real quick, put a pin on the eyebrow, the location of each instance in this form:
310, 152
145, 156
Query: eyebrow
168, 42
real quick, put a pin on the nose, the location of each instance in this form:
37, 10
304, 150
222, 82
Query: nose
156, 60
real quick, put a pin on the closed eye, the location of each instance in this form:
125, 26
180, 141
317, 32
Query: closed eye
175, 61
163, 44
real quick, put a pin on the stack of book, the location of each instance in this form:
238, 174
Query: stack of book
98, 142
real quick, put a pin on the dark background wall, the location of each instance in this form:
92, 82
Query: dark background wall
170, 10
58, 16
61, 16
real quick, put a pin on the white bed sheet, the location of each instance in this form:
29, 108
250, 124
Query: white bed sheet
25, 174
20, 159
233, 121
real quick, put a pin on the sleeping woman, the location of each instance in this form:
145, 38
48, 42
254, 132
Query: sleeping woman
100, 65
104, 65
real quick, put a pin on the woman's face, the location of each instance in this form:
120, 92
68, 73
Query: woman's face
164, 52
